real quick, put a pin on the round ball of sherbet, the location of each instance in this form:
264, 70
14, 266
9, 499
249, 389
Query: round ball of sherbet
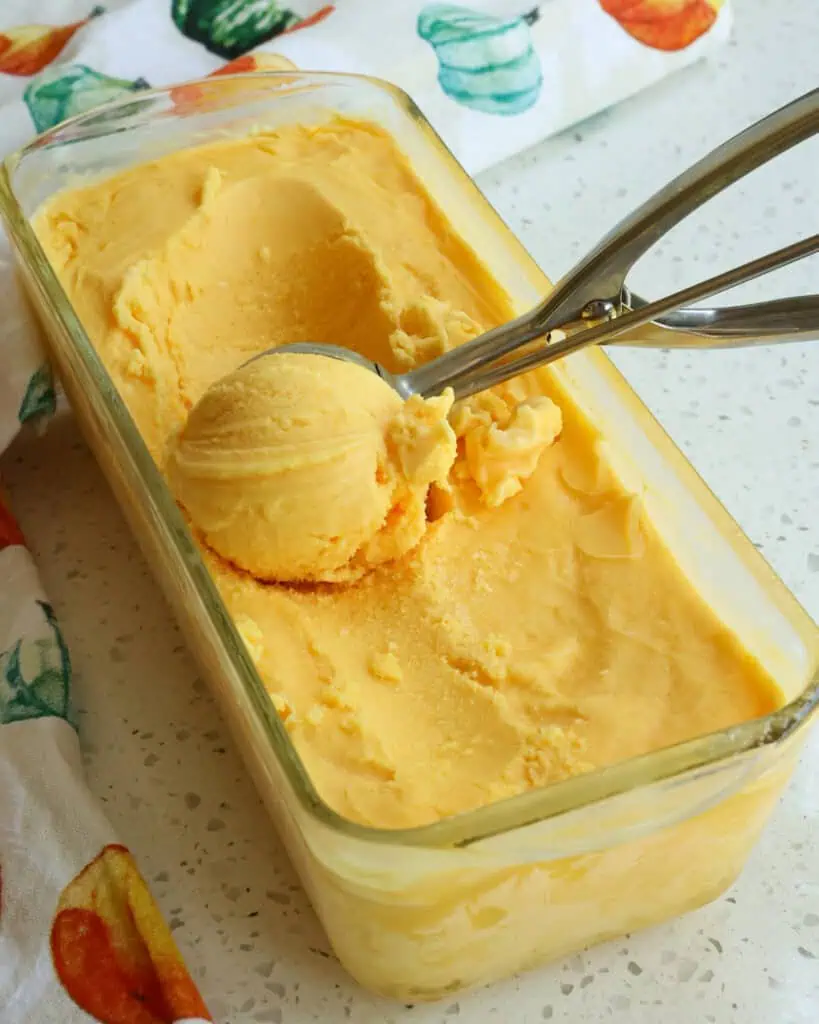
305, 468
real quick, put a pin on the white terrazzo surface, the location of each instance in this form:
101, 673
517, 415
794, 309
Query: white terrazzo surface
158, 755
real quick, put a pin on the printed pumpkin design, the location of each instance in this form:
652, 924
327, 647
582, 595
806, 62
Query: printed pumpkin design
35, 674
10, 532
64, 91
186, 97
229, 28
40, 399
27, 49
113, 952
664, 24
311, 19
485, 63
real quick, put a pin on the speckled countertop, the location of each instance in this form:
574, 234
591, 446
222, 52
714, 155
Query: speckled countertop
157, 752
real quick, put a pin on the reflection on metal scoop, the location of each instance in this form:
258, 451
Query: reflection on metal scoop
593, 306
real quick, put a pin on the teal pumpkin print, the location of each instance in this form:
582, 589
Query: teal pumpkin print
64, 91
230, 28
35, 675
39, 401
485, 63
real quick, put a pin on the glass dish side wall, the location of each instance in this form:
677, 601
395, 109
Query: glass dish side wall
418, 915
423, 926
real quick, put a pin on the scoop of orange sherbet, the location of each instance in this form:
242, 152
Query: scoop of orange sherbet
305, 468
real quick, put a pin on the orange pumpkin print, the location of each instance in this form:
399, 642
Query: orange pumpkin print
664, 24
185, 96
10, 532
27, 49
254, 62
112, 950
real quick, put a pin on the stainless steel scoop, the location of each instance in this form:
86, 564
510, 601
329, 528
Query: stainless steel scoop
592, 305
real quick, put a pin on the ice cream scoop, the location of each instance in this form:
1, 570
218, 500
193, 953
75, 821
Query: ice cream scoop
304, 469
592, 305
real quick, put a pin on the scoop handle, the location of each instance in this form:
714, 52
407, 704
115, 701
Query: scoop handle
757, 323
598, 281
624, 326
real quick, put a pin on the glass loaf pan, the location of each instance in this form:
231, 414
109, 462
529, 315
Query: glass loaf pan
424, 912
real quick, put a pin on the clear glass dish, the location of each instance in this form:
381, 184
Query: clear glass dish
423, 912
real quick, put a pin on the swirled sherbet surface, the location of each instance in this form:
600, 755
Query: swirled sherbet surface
536, 626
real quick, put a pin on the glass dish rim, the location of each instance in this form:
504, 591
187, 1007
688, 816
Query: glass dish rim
508, 815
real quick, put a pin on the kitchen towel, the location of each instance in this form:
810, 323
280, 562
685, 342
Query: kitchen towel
81, 938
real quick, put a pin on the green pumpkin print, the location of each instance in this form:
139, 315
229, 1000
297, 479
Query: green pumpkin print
35, 675
61, 92
230, 28
39, 401
484, 63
